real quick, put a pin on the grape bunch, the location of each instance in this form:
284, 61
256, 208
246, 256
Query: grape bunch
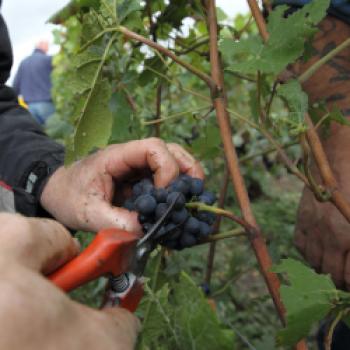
183, 227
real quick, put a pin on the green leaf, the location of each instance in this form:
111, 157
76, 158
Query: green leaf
287, 37
337, 116
125, 126
208, 145
197, 324
71, 9
308, 298
95, 120
296, 99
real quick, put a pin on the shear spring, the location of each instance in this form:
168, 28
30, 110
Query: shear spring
120, 284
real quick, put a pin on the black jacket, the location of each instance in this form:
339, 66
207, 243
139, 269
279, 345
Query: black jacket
27, 155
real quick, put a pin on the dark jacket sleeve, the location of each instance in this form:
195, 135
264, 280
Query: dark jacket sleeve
27, 156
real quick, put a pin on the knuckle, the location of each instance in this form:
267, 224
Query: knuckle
155, 141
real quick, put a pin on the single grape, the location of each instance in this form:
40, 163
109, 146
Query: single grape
129, 204
146, 227
180, 201
169, 227
179, 216
137, 189
161, 209
186, 178
146, 185
161, 232
160, 194
181, 186
205, 288
191, 225
204, 229
145, 204
206, 216
197, 186
207, 197
187, 240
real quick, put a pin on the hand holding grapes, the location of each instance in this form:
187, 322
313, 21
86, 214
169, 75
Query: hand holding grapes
87, 195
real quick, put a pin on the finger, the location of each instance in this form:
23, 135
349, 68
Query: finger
333, 263
313, 248
101, 215
150, 153
187, 163
40, 244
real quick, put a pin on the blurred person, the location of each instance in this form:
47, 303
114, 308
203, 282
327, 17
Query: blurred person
33, 82
322, 233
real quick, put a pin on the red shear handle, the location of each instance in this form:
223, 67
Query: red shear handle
111, 251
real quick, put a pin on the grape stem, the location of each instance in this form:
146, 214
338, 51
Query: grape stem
219, 211
237, 232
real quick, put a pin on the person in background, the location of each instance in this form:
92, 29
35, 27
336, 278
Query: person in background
33, 82
322, 234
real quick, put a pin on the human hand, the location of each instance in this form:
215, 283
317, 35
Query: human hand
85, 196
322, 233
35, 314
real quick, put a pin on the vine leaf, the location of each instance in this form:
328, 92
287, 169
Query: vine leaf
287, 37
93, 130
186, 318
337, 116
308, 298
125, 126
296, 99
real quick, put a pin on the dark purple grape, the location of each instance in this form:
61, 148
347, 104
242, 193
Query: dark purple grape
146, 227
129, 204
187, 240
181, 186
197, 186
206, 216
191, 225
161, 232
145, 204
204, 229
172, 244
170, 227
205, 288
160, 194
179, 216
186, 178
207, 197
146, 185
180, 201
161, 209
137, 189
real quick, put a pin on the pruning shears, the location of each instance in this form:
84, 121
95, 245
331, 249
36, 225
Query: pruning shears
117, 254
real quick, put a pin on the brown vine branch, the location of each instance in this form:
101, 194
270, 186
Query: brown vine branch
211, 252
257, 241
158, 108
259, 19
201, 75
326, 172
